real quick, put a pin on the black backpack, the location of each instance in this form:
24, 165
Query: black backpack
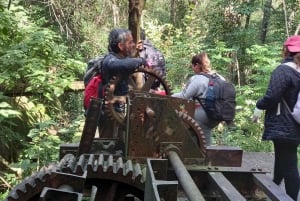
219, 102
93, 86
93, 69
154, 57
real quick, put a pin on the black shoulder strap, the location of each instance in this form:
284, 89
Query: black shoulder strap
214, 75
209, 76
101, 70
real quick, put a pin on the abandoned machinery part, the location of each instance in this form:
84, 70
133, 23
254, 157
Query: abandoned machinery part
149, 76
160, 154
102, 177
109, 178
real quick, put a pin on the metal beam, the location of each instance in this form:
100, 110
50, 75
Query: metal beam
227, 190
273, 191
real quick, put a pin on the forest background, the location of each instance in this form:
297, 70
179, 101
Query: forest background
44, 47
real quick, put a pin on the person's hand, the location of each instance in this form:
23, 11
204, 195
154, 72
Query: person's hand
256, 115
139, 45
144, 62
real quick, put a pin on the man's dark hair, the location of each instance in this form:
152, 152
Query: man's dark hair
115, 37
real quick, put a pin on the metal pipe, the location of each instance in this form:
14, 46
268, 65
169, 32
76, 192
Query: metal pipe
185, 179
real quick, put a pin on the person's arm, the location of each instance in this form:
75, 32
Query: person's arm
195, 87
125, 65
278, 85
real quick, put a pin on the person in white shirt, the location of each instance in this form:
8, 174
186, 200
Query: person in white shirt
196, 87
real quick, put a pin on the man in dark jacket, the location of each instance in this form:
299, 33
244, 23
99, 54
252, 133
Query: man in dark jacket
280, 127
118, 62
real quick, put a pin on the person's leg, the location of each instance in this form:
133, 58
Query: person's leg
286, 167
203, 121
291, 173
278, 163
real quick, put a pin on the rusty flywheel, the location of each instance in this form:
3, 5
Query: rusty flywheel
150, 75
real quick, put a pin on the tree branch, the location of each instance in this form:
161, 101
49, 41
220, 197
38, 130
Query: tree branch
5, 182
285, 18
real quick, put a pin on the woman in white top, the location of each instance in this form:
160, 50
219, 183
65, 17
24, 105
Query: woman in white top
196, 87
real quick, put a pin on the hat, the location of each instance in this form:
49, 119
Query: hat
293, 43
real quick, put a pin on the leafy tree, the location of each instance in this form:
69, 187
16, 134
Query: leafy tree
33, 61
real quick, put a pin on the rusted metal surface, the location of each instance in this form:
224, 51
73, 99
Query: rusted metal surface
152, 151
157, 187
147, 135
90, 126
223, 156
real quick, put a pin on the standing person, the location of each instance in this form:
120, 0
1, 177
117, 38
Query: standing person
282, 92
118, 62
196, 87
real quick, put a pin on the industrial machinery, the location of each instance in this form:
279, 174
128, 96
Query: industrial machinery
153, 151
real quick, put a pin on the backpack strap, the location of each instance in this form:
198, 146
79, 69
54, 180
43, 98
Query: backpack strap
209, 76
286, 105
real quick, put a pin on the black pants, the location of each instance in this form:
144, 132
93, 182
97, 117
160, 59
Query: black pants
285, 167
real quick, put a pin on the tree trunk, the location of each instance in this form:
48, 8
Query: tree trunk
116, 14
297, 30
172, 12
265, 21
285, 19
134, 21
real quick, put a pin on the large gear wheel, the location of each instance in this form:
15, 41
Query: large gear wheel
113, 179
195, 130
110, 99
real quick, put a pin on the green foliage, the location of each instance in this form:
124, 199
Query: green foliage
245, 133
9, 137
40, 62
261, 61
36, 61
42, 148
12, 180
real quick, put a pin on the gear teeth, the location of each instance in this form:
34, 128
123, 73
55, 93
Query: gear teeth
197, 129
30, 184
102, 167
80, 166
67, 163
97, 165
119, 165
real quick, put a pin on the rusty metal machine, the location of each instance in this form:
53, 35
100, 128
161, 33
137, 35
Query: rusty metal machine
154, 151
